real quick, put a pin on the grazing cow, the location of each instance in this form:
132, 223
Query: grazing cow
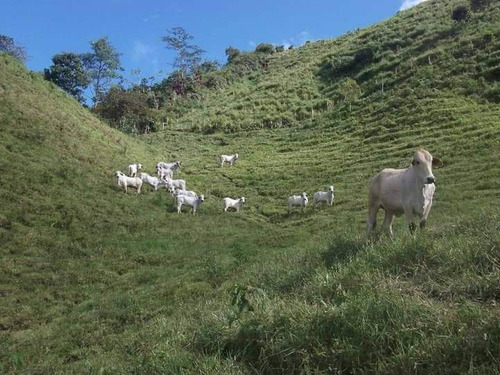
231, 159
403, 191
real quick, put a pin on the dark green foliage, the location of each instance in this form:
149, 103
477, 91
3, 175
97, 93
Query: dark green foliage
264, 48
68, 73
231, 53
126, 110
461, 13
478, 5
8, 46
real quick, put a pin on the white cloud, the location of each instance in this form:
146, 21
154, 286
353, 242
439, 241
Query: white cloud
410, 3
141, 50
150, 18
297, 40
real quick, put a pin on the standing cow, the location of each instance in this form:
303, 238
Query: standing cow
403, 191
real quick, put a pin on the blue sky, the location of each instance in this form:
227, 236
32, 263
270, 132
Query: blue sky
135, 28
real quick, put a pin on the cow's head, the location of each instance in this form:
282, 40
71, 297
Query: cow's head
422, 164
242, 199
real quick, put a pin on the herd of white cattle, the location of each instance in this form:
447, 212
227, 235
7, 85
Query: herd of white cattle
406, 191
182, 197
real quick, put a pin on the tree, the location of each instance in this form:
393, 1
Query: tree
68, 73
8, 46
102, 66
350, 90
231, 53
188, 55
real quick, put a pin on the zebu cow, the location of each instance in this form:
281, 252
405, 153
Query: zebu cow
403, 191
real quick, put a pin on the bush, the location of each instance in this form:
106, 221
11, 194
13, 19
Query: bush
477, 5
265, 48
461, 14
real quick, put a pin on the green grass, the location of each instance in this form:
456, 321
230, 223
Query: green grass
93, 280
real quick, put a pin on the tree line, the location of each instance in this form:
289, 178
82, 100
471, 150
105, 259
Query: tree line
134, 107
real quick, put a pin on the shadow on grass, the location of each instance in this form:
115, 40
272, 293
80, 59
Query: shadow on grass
341, 250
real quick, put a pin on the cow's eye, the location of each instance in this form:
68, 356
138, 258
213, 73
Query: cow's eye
415, 162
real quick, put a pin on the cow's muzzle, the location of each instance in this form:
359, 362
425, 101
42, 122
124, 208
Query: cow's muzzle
430, 180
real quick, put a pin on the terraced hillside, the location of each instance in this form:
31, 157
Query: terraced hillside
93, 280
420, 53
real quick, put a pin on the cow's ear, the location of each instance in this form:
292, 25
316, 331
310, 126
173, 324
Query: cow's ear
437, 163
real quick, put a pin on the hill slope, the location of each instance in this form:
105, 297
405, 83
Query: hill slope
93, 280
421, 53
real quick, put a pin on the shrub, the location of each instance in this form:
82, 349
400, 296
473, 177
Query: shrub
265, 48
461, 14
477, 5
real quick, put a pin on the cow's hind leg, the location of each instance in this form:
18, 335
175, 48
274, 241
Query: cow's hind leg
371, 222
389, 217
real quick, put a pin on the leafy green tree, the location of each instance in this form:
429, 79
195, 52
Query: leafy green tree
102, 65
188, 55
350, 90
68, 73
8, 46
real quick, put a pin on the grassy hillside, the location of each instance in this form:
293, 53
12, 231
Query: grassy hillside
419, 53
93, 280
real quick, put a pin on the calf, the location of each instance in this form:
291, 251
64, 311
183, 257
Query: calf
133, 169
231, 159
233, 203
324, 196
297, 200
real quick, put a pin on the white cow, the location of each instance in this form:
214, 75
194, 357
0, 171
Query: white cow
154, 182
231, 159
172, 184
164, 173
125, 182
172, 166
324, 196
232, 203
189, 193
193, 202
403, 191
297, 200
166, 170
133, 169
